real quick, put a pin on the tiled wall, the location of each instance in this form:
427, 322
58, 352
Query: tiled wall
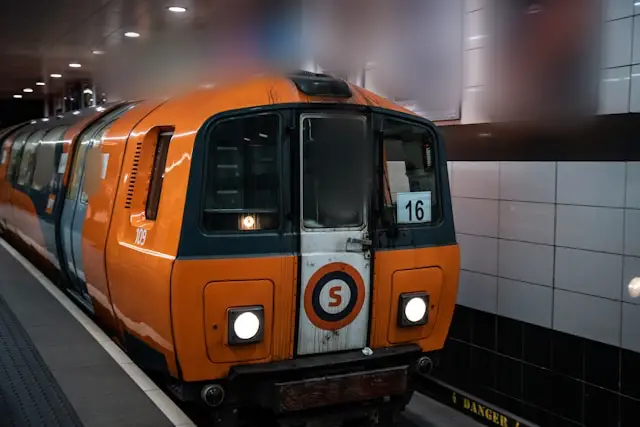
548, 249
620, 75
554, 244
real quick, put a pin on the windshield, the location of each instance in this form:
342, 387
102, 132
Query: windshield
410, 173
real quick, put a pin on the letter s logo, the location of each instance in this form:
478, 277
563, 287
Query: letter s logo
336, 298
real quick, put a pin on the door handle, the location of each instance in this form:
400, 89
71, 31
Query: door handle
358, 245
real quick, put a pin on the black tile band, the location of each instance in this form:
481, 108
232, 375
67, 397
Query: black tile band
545, 376
597, 138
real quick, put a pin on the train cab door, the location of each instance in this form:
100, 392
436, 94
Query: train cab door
335, 264
76, 202
73, 213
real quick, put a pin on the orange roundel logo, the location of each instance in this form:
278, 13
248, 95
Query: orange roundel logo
334, 296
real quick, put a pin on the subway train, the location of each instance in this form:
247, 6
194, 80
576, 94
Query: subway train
281, 242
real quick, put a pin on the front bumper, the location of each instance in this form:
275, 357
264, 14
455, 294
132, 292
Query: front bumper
325, 380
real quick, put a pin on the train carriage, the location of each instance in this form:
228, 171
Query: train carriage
284, 242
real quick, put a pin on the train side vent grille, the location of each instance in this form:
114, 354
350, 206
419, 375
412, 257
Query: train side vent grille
134, 174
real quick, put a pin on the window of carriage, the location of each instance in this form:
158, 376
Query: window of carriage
47, 158
28, 160
242, 187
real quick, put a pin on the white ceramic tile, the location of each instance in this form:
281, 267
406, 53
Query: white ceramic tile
632, 232
587, 272
635, 57
635, 89
633, 185
474, 61
479, 254
475, 179
472, 5
617, 43
591, 183
614, 90
616, 9
473, 106
631, 327
528, 181
591, 228
478, 291
526, 262
450, 173
525, 302
587, 316
475, 29
476, 216
527, 222
630, 271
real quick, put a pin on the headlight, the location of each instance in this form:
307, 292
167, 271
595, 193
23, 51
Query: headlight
413, 309
246, 325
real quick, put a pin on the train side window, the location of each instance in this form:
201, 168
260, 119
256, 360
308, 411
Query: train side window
242, 187
84, 140
157, 173
16, 152
5, 148
47, 158
28, 160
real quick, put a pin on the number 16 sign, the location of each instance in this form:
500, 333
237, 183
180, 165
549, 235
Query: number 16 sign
414, 208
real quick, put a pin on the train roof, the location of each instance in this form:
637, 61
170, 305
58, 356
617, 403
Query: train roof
204, 101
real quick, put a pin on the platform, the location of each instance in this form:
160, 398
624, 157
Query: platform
57, 368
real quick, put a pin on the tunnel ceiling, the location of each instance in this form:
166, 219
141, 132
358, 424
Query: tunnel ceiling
41, 37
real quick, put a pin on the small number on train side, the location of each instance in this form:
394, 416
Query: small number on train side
141, 236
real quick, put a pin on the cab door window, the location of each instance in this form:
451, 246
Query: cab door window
411, 186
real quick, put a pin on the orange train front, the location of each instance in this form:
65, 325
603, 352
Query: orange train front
283, 242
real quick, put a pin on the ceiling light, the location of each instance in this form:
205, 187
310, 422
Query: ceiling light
27, 90
56, 76
177, 9
98, 52
88, 91
75, 113
17, 96
75, 65
131, 34
40, 84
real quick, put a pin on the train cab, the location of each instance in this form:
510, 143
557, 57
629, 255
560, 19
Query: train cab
281, 242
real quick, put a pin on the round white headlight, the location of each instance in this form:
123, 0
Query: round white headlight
246, 326
415, 309
634, 287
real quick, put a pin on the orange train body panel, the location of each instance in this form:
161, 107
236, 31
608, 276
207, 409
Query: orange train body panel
195, 280
435, 270
100, 210
154, 299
